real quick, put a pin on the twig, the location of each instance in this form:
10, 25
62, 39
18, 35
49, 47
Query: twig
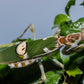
65, 78
43, 76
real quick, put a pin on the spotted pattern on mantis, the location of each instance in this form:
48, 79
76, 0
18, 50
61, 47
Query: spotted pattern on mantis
21, 63
70, 40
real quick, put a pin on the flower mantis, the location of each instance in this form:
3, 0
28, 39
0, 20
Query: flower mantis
22, 53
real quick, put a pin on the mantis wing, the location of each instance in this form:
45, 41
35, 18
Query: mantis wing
34, 49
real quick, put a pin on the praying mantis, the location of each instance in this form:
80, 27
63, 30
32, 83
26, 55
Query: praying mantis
23, 53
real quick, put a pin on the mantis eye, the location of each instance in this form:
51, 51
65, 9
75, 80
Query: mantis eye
21, 48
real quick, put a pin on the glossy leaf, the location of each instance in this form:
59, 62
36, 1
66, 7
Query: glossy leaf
60, 18
73, 72
52, 78
65, 58
68, 6
68, 28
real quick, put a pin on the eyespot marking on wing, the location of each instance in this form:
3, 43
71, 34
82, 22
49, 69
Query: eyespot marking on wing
21, 50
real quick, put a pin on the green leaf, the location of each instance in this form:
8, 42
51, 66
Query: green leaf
75, 27
68, 6
52, 78
65, 58
74, 72
82, 3
60, 18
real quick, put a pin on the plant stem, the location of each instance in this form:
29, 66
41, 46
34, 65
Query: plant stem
43, 76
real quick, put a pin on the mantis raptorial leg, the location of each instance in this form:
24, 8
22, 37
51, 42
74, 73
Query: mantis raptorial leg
24, 32
43, 76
